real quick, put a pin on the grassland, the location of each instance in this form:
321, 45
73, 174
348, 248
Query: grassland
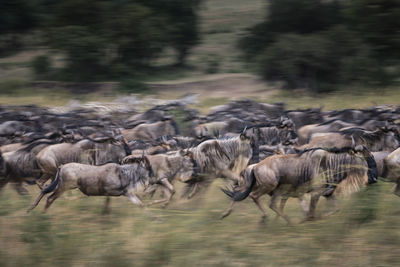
188, 233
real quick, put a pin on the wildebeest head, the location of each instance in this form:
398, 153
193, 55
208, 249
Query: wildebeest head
120, 139
172, 125
246, 137
1, 166
189, 167
287, 131
391, 139
143, 162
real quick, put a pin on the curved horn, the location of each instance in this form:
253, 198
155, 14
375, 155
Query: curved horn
353, 143
244, 130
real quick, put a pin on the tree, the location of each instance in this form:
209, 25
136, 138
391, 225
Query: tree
322, 44
118, 37
16, 18
377, 23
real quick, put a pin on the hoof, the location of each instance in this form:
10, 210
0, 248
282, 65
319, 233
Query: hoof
106, 211
307, 219
224, 215
263, 219
22, 191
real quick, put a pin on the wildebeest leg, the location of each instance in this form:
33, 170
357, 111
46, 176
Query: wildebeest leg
20, 188
260, 207
43, 179
332, 203
169, 191
313, 206
56, 194
151, 190
281, 206
134, 198
231, 175
303, 204
3, 182
397, 189
194, 190
273, 206
228, 211
107, 206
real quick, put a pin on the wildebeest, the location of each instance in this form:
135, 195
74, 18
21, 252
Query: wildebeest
225, 158
86, 151
182, 142
305, 116
219, 128
167, 168
317, 171
307, 131
151, 131
110, 179
392, 169
383, 139
21, 165
273, 135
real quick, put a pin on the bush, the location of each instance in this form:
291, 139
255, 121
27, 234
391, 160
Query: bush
41, 66
132, 86
322, 44
301, 61
11, 86
213, 64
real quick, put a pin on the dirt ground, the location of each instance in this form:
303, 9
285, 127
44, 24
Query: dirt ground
229, 86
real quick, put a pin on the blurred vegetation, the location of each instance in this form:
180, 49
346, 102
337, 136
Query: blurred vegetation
101, 40
314, 44
322, 45
74, 233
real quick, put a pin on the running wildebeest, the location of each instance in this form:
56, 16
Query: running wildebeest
307, 131
21, 165
225, 158
110, 179
86, 151
302, 117
317, 171
383, 139
151, 131
167, 168
392, 169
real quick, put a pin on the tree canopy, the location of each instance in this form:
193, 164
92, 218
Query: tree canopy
321, 44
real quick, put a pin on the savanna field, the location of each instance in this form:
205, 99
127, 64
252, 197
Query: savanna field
188, 232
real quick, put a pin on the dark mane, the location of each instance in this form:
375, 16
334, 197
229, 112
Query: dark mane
175, 125
329, 122
360, 133
334, 150
37, 143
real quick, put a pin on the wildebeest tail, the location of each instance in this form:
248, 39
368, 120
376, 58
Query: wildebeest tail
50, 188
236, 194
372, 168
53, 185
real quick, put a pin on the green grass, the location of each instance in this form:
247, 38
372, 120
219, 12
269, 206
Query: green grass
74, 233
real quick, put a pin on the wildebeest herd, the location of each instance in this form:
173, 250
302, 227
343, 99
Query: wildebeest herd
260, 148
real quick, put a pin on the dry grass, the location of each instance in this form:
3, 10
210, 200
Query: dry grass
75, 233
188, 233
